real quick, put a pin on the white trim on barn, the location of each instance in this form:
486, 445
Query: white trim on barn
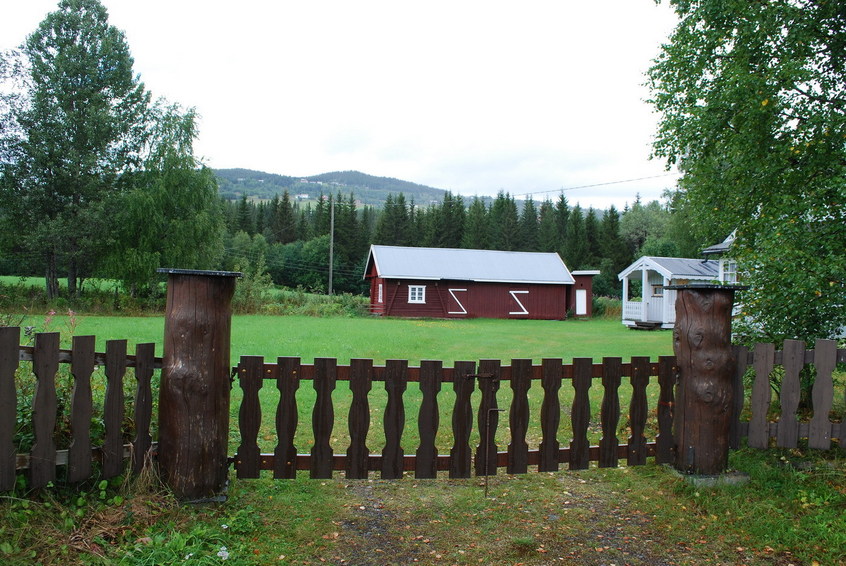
655, 307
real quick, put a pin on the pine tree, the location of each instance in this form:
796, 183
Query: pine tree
476, 229
529, 227
548, 238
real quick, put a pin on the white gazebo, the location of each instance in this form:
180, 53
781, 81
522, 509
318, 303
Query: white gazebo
654, 306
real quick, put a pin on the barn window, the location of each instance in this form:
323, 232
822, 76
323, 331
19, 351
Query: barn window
379, 299
417, 294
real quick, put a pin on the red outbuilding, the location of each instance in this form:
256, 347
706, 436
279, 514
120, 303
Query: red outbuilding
460, 283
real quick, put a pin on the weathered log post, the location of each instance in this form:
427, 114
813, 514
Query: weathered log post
194, 390
702, 410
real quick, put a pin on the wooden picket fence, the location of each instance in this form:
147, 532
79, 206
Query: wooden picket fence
787, 430
768, 425
465, 377
45, 356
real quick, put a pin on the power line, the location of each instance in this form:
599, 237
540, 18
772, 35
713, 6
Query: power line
596, 185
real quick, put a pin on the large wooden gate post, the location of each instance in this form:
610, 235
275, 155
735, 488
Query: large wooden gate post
702, 344
194, 390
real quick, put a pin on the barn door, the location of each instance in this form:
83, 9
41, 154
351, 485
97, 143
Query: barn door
457, 301
581, 302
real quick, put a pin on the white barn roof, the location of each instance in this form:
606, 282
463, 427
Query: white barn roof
397, 262
675, 267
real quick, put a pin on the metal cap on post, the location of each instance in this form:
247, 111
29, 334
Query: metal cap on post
194, 390
702, 409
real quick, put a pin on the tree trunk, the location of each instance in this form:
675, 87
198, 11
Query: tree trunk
702, 344
51, 276
72, 276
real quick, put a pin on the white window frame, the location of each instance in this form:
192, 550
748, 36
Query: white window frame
417, 294
379, 298
521, 305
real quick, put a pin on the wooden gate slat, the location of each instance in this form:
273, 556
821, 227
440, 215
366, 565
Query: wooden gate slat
45, 364
580, 413
638, 411
666, 383
759, 428
551, 369
462, 420
396, 380
822, 396
741, 357
113, 408
431, 375
323, 417
612, 372
145, 355
488, 418
518, 448
251, 379
9, 339
793, 361
361, 380
287, 418
82, 366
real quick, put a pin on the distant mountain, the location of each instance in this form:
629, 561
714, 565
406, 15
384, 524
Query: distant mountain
235, 183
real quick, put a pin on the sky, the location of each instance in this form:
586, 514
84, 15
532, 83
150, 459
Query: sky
471, 96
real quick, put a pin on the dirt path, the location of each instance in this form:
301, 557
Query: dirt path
450, 522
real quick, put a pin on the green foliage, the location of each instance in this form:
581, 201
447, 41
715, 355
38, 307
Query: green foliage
753, 104
73, 119
96, 179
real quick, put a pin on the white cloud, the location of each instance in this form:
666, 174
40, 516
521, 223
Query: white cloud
470, 96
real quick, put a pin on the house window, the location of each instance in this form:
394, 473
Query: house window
379, 298
657, 290
729, 271
417, 294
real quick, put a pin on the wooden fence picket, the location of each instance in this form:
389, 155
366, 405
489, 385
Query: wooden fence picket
612, 372
113, 408
759, 427
580, 414
666, 403
462, 420
45, 364
518, 448
431, 376
82, 366
361, 380
287, 382
793, 362
822, 395
488, 418
9, 338
550, 414
145, 355
251, 378
323, 417
638, 411
395, 384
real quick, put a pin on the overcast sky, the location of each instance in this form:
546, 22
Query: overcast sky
475, 97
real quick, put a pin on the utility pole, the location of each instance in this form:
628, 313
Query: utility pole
331, 239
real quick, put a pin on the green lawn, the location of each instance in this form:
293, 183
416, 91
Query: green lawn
381, 339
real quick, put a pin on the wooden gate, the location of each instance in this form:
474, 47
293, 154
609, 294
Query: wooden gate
470, 383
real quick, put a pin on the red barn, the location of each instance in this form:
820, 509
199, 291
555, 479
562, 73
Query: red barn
459, 283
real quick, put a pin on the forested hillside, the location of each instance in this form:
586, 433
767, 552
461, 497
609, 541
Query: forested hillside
236, 183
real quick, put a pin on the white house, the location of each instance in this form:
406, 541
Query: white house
655, 306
